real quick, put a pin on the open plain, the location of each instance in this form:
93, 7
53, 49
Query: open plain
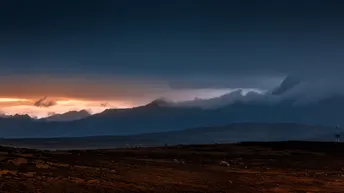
245, 167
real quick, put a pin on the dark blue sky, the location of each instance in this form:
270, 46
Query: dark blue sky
187, 43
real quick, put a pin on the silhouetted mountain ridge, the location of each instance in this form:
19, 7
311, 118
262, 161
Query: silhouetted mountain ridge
17, 117
68, 116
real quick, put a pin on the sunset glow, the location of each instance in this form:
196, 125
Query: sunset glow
40, 96
12, 100
11, 106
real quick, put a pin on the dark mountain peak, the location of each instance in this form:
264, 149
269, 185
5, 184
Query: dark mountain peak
17, 117
161, 102
288, 83
68, 116
154, 106
82, 112
21, 116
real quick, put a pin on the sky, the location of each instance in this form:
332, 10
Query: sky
94, 55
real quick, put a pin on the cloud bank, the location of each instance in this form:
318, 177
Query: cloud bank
293, 90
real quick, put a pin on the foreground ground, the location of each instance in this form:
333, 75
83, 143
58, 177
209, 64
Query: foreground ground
254, 167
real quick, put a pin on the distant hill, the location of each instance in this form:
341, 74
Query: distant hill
231, 133
68, 116
17, 116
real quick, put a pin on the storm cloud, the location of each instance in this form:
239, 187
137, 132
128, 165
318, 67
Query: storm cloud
222, 44
295, 90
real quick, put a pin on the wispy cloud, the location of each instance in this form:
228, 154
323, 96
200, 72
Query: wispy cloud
44, 102
105, 104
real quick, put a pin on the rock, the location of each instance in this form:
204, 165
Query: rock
176, 161
224, 163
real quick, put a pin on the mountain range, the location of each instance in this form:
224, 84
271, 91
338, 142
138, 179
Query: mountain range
284, 104
68, 116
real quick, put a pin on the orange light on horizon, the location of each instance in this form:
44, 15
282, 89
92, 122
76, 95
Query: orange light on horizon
11, 106
13, 100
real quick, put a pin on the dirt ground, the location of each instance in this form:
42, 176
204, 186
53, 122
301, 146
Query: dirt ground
253, 167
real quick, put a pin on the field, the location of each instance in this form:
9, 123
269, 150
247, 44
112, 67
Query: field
253, 167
